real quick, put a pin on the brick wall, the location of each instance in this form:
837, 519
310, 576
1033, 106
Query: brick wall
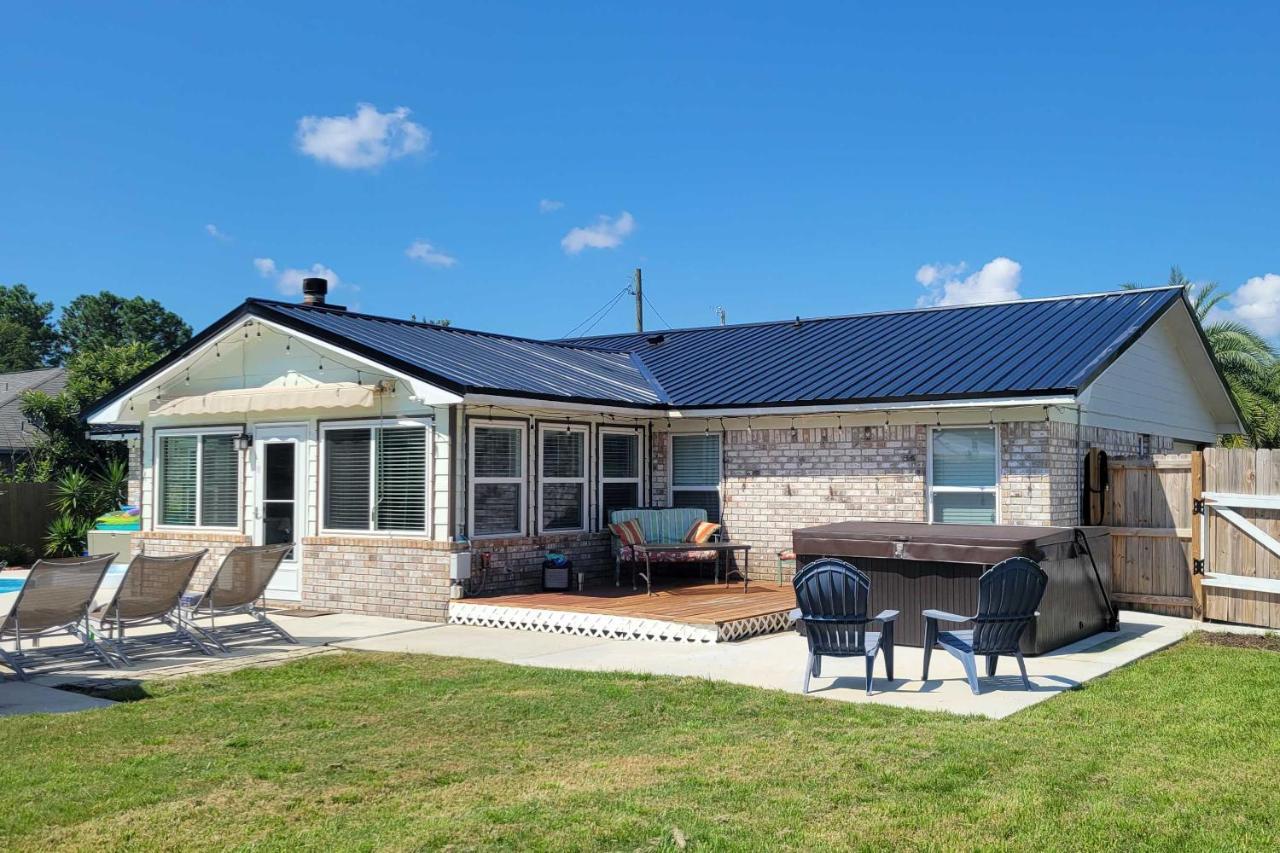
776, 480
515, 565
134, 497
402, 578
167, 543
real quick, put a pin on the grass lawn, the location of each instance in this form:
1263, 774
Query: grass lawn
382, 751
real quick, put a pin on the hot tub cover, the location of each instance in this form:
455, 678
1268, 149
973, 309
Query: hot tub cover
985, 544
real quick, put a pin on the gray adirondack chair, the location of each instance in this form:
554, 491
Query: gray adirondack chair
833, 598
1008, 595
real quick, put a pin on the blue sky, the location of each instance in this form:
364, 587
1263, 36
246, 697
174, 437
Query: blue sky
772, 159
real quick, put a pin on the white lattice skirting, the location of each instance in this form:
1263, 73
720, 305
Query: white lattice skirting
610, 627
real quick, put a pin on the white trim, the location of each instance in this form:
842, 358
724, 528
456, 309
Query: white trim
110, 412
930, 489
427, 422
583, 480
638, 432
671, 470
264, 435
522, 481
157, 474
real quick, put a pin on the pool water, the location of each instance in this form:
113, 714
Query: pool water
110, 580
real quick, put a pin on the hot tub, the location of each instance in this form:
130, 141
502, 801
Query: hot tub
915, 566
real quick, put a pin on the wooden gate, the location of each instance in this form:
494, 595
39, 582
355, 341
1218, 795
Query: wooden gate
1239, 525
1149, 510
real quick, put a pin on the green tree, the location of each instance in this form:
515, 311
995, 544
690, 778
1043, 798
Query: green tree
90, 375
26, 334
1248, 361
103, 320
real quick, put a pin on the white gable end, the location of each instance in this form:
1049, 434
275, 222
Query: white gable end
1163, 384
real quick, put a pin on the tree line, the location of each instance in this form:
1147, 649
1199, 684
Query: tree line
102, 339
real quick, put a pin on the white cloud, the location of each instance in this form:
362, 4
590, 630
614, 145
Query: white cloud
1256, 303
997, 281
216, 233
606, 233
421, 250
549, 205
365, 140
289, 281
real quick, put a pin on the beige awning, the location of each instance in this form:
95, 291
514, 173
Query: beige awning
333, 395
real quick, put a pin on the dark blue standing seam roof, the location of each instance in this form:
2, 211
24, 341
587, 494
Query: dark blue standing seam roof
1014, 349
478, 362
1044, 347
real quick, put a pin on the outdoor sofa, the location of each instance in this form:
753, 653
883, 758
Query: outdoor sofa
665, 526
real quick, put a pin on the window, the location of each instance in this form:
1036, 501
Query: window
375, 476
562, 486
199, 479
497, 479
619, 471
963, 475
695, 472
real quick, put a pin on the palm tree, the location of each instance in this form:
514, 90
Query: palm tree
1248, 361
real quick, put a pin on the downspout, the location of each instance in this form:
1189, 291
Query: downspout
1079, 466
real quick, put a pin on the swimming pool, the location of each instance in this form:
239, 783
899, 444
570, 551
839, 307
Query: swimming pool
110, 580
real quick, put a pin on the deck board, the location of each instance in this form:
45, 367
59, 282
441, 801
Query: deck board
695, 604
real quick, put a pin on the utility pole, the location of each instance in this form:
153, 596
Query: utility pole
639, 289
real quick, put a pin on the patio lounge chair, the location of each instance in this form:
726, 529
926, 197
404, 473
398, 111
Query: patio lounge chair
235, 590
833, 598
54, 600
1009, 594
149, 594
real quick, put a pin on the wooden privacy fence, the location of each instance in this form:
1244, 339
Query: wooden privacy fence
1149, 509
25, 514
1198, 534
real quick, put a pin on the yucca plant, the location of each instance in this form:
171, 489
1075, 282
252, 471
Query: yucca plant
66, 537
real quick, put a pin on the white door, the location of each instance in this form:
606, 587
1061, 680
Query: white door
280, 514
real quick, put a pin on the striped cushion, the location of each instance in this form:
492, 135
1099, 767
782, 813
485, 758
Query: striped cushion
700, 531
628, 532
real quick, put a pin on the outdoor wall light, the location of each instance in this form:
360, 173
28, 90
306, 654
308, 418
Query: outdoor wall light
244, 441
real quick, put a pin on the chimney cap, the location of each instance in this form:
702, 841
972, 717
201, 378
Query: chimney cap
314, 290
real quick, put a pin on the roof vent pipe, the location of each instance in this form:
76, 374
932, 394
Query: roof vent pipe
314, 290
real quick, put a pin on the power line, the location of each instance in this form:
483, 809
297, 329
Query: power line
656, 311
601, 311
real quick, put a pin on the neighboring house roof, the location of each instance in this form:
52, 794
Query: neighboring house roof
16, 432
1029, 348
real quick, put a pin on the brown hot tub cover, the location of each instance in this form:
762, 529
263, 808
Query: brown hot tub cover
983, 544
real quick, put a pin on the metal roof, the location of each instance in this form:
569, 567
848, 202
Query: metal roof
464, 361
1037, 347
1011, 349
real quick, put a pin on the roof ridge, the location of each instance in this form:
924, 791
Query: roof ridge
422, 324
885, 313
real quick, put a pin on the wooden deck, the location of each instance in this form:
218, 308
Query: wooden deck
695, 612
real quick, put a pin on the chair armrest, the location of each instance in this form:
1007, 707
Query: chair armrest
944, 616
794, 615
886, 616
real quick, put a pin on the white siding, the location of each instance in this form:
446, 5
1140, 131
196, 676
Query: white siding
1157, 386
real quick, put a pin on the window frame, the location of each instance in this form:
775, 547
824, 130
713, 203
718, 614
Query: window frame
158, 434
931, 489
545, 427
522, 428
601, 480
322, 475
671, 469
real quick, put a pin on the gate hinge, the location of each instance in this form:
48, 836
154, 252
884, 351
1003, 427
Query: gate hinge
1197, 506
1197, 567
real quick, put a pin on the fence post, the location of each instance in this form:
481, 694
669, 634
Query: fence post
1197, 534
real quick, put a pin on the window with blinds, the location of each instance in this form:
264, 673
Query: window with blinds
497, 479
619, 472
963, 475
695, 472
563, 484
199, 480
375, 477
